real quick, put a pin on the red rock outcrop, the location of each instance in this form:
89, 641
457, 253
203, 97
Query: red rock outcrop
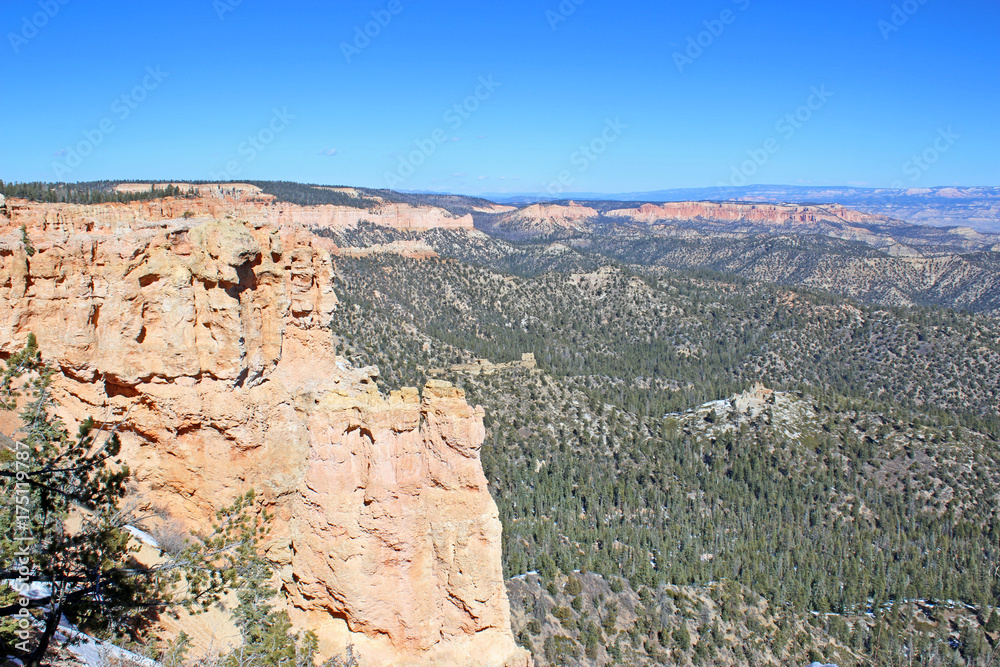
727, 219
775, 214
208, 340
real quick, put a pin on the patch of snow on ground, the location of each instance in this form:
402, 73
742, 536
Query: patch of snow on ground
95, 652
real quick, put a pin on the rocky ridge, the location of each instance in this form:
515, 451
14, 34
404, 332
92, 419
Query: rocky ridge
835, 221
948, 206
745, 212
208, 341
545, 220
725, 220
241, 203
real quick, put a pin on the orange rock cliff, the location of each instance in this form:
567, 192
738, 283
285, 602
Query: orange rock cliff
773, 214
210, 339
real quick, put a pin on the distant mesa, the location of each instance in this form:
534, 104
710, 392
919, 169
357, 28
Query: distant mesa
546, 219
774, 214
974, 206
734, 219
247, 202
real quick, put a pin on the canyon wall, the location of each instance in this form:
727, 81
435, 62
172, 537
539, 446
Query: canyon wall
736, 219
250, 209
772, 214
208, 341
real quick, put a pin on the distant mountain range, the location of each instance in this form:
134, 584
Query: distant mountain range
975, 207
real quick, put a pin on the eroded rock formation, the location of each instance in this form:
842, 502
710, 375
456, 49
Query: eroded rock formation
735, 219
546, 219
255, 210
774, 214
209, 341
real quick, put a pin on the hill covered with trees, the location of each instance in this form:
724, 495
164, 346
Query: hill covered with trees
867, 480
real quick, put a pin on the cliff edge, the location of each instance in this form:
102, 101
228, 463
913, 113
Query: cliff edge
209, 341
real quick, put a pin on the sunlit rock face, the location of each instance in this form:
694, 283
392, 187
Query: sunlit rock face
208, 339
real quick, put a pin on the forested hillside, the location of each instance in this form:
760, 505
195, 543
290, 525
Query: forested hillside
586, 619
966, 281
870, 477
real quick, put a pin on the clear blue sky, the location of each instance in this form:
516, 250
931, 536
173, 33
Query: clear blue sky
925, 83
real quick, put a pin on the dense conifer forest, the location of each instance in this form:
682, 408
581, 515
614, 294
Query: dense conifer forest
866, 486
95, 192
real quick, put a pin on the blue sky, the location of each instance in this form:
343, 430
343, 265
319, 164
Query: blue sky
596, 96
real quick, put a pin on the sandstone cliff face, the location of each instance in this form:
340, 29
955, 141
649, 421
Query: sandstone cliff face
398, 216
254, 209
730, 219
209, 341
775, 214
409, 545
735, 219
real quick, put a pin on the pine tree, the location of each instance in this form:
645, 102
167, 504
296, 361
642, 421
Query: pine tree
64, 533
682, 637
45, 476
993, 623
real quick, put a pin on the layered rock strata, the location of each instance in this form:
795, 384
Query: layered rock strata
208, 341
253, 210
773, 214
737, 219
